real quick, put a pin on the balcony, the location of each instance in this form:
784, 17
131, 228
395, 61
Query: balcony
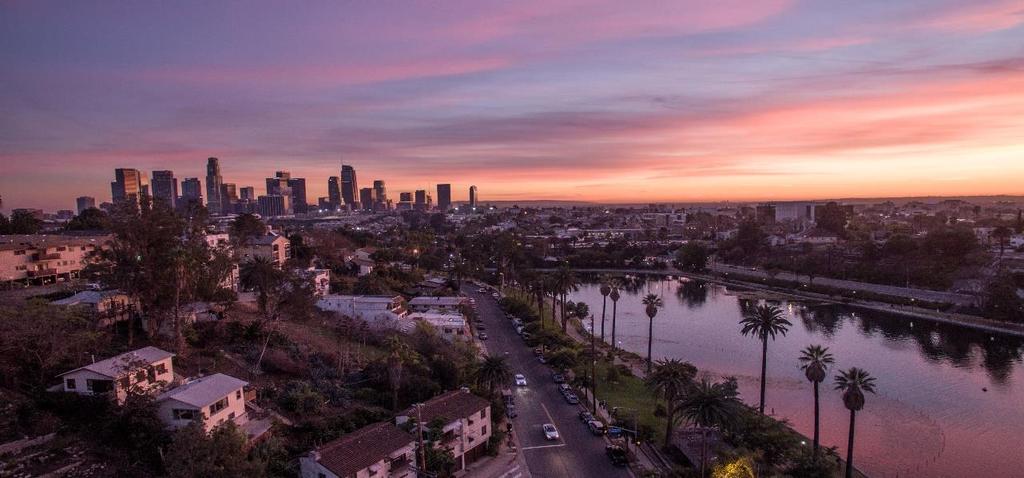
49, 257
42, 273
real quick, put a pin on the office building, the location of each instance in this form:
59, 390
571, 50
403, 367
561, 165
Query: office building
333, 192
349, 186
278, 186
165, 187
214, 183
85, 202
405, 197
247, 193
367, 198
472, 198
380, 192
191, 192
444, 197
272, 205
229, 197
129, 185
298, 188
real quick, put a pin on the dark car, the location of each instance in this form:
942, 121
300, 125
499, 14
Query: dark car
558, 378
510, 411
586, 416
538, 351
572, 398
617, 455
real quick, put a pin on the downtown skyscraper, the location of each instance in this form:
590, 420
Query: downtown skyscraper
165, 187
444, 197
349, 186
191, 192
214, 187
129, 185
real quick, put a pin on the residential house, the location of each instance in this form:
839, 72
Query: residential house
440, 304
467, 427
381, 450
216, 398
271, 246
377, 310
146, 370
449, 325
46, 258
320, 278
106, 305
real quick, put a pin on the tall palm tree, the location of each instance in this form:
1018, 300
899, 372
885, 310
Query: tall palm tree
565, 282
606, 289
493, 371
709, 405
853, 383
652, 303
670, 380
614, 296
815, 361
764, 322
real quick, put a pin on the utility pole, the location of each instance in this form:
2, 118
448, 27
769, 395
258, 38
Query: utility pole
593, 365
419, 425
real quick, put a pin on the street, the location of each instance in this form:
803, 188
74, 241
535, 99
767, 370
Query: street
577, 452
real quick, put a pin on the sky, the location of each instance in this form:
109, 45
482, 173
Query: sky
605, 101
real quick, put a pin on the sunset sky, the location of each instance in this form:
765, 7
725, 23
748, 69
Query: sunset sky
618, 101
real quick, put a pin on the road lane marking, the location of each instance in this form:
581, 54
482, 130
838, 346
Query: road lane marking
541, 446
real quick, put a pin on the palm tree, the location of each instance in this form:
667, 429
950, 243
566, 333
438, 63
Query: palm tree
1002, 234
815, 361
853, 383
493, 370
565, 281
606, 289
263, 276
764, 322
670, 379
614, 295
652, 303
709, 405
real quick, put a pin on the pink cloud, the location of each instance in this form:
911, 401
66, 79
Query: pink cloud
976, 17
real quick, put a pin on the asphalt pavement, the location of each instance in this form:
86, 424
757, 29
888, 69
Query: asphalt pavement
577, 452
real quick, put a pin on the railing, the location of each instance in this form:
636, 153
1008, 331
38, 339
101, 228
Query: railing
42, 273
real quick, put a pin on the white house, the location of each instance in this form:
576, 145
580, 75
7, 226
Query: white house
468, 427
147, 370
377, 310
320, 278
449, 325
428, 303
217, 398
381, 450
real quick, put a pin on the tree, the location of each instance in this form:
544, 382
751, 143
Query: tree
831, 217
764, 322
670, 380
1002, 234
614, 296
606, 289
263, 276
692, 257
24, 222
135, 429
815, 361
565, 281
1001, 300
193, 453
90, 219
853, 383
651, 305
709, 405
245, 228
493, 371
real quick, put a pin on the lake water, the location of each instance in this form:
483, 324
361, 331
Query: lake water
950, 400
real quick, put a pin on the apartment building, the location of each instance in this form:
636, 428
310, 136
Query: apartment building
381, 450
44, 259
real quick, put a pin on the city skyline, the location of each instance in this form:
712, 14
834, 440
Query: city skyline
602, 102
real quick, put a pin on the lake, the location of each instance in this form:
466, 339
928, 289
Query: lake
950, 399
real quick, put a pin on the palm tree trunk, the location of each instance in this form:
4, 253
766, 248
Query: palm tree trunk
816, 420
670, 414
703, 451
650, 340
563, 311
849, 446
764, 370
554, 307
615, 309
604, 306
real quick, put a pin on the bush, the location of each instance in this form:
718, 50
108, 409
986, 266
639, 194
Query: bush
300, 397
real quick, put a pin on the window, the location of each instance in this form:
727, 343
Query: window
483, 413
483, 430
231, 416
238, 394
70, 384
140, 376
184, 414
220, 405
161, 369
19, 253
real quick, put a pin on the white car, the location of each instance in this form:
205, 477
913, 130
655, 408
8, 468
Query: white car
520, 380
550, 432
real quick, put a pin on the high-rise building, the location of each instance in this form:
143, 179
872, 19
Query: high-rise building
380, 195
333, 193
350, 191
472, 198
85, 202
127, 185
405, 197
273, 205
165, 187
191, 192
367, 198
298, 187
444, 197
247, 193
278, 186
214, 182
228, 197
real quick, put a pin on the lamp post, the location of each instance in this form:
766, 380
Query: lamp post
593, 365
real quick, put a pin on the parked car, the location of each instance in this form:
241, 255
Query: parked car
541, 359
482, 290
572, 398
614, 432
520, 330
520, 380
496, 295
564, 388
538, 351
482, 336
558, 378
596, 427
510, 411
586, 416
617, 455
550, 432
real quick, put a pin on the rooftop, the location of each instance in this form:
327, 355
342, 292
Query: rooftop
114, 367
29, 241
450, 406
362, 448
204, 391
441, 301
